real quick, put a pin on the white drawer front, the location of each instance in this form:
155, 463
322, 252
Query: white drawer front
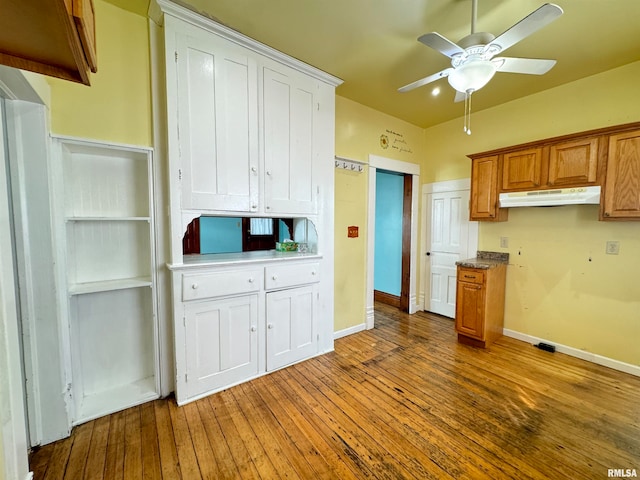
220, 284
282, 276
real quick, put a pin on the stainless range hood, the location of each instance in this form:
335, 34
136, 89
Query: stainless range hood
547, 198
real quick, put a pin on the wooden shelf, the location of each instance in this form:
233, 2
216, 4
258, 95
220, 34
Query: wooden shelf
109, 285
107, 219
116, 399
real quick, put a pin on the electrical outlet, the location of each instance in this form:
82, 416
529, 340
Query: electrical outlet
504, 242
613, 247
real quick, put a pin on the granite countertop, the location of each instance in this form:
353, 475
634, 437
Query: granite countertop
485, 260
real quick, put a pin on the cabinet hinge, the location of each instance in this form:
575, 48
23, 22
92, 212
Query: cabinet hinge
318, 106
179, 174
176, 52
186, 377
184, 322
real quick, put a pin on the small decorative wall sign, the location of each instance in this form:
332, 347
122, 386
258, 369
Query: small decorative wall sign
352, 232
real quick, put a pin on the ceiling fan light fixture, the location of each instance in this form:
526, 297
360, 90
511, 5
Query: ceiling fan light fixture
472, 76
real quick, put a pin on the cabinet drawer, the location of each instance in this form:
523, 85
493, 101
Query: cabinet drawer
220, 284
470, 276
282, 276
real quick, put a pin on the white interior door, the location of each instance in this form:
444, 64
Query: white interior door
449, 237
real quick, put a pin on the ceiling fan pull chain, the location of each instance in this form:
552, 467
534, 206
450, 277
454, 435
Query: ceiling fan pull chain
469, 115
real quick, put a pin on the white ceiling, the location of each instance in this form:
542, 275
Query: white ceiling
372, 46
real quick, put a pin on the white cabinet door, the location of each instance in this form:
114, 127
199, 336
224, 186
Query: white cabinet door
289, 113
291, 331
221, 341
218, 124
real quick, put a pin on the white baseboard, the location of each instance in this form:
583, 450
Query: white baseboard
349, 331
575, 352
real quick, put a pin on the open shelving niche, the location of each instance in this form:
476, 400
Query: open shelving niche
106, 196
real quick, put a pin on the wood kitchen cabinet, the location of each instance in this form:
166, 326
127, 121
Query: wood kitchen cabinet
522, 170
622, 187
480, 298
574, 163
484, 190
55, 37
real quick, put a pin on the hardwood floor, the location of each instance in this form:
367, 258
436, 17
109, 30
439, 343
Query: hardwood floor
403, 400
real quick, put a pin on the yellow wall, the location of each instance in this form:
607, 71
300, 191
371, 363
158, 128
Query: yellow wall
117, 106
358, 132
553, 291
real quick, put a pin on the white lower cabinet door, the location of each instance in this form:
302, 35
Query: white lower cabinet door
291, 331
221, 343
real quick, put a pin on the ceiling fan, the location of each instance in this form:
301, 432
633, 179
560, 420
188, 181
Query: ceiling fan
474, 61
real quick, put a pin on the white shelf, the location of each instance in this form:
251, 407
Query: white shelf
108, 285
108, 219
116, 399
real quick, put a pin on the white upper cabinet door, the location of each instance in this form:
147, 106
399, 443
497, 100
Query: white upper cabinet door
291, 327
218, 124
289, 116
221, 343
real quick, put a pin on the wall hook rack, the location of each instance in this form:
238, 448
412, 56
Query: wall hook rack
352, 165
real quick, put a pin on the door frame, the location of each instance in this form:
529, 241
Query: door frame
391, 165
472, 239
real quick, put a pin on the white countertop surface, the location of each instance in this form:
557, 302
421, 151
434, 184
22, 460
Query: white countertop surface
239, 258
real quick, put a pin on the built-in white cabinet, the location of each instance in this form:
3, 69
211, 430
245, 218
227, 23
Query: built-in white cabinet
250, 132
107, 238
221, 343
291, 318
217, 130
290, 104
236, 320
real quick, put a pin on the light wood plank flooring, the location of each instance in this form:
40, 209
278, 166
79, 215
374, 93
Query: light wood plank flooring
403, 400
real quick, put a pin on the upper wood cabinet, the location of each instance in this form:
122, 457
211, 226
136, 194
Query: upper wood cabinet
573, 163
484, 190
622, 187
607, 157
55, 37
522, 170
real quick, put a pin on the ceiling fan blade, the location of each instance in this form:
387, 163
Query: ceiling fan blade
425, 80
441, 44
533, 22
531, 66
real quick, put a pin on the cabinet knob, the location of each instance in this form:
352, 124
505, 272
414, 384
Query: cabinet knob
275, 277
313, 272
194, 286
270, 326
254, 169
254, 328
269, 172
250, 280
254, 206
606, 214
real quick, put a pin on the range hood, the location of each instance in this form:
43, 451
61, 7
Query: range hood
547, 198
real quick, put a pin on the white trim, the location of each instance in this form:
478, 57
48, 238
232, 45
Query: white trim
447, 186
102, 143
349, 331
385, 163
413, 169
200, 21
575, 352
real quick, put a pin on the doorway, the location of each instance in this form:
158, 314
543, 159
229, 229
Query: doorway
411, 172
392, 239
447, 236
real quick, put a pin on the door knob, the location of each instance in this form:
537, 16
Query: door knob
428, 254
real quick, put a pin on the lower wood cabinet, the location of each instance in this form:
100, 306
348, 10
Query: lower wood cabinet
480, 304
236, 322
